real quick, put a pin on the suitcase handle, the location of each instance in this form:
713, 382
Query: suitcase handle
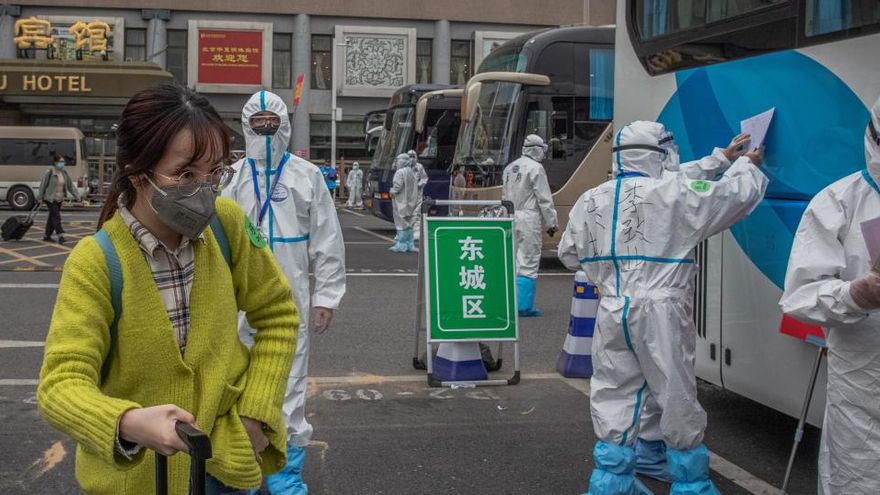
36, 209
199, 446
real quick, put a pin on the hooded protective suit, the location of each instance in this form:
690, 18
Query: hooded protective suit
354, 181
405, 200
525, 184
634, 238
828, 258
292, 208
422, 176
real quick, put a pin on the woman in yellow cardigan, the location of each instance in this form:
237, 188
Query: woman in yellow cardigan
175, 354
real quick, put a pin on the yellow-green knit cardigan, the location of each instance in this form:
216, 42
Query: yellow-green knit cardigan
217, 379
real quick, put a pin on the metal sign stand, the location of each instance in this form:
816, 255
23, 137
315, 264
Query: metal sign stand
421, 323
799, 432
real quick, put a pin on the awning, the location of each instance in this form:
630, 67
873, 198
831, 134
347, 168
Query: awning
76, 83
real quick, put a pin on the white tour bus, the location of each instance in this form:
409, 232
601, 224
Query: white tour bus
702, 66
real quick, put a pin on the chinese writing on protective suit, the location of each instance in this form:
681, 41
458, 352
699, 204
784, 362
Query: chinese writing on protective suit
472, 278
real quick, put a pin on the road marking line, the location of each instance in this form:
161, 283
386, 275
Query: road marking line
740, 476
14, 383
34, 259
361, 243
582, 385
22, 257
347, 210
720, 465
370, 232
368, 379
9, 344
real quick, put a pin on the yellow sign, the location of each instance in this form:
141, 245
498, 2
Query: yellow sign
45, 83
92, 35
33, 32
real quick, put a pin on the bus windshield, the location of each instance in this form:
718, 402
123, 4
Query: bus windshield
485, 139
436, 145
397, 139
506, 58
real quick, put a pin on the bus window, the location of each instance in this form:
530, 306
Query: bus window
601, 84
829, 16
437, 144
39, 152
553, 117
559, 140
538, 122
708, 31
557, 62
658, 17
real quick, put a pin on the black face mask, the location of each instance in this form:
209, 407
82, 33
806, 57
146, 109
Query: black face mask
266, 130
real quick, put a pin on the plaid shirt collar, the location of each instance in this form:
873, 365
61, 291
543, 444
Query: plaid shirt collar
146, 240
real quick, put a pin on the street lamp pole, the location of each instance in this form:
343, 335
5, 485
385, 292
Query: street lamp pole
333, 110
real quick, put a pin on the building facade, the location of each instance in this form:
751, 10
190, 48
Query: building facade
63, 65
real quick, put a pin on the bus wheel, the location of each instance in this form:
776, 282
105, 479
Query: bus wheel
21, 198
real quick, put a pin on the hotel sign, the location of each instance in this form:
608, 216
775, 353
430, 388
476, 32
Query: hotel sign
57, 79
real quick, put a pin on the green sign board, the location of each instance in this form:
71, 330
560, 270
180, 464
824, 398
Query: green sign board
470, 279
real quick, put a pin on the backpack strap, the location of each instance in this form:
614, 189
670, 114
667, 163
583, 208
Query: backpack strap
112, 260
222, 240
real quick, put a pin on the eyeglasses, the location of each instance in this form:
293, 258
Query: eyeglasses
263, 120
189, 182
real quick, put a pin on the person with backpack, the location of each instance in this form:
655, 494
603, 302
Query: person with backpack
144, 333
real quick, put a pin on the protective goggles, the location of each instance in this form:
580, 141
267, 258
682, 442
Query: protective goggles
542, 146
873, 132
666, 145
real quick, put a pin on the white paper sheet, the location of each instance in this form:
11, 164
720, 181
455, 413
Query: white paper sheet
757, 127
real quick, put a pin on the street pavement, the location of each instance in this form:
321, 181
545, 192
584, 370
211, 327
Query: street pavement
379, 429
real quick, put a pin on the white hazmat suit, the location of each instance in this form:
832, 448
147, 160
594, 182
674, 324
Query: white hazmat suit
526, 186
828, 257
300, 225
404, 201
634, 237
354, 181
422, 176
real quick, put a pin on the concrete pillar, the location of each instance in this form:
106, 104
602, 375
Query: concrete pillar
442, 52
157, 40
302, 64
7, 30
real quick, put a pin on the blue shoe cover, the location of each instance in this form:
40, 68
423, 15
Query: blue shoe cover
525, 296
410, 243
615, 471
690, 471
651, 459
289, 480
399, 242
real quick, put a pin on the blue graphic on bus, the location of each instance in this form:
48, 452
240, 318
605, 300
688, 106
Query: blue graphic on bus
817, 137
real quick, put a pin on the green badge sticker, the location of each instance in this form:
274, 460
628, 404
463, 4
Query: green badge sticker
253, 234
701, 186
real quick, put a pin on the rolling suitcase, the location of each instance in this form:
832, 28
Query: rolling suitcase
15, 227
199, 450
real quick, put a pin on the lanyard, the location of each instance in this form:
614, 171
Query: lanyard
264, 208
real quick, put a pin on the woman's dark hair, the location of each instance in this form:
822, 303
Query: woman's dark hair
150, 121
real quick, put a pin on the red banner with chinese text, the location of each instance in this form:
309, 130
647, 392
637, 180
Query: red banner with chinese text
230, 57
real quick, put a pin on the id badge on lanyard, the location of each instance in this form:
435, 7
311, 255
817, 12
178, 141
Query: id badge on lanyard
265, 204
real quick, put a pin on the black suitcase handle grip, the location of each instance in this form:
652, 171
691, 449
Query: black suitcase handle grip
199, 446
